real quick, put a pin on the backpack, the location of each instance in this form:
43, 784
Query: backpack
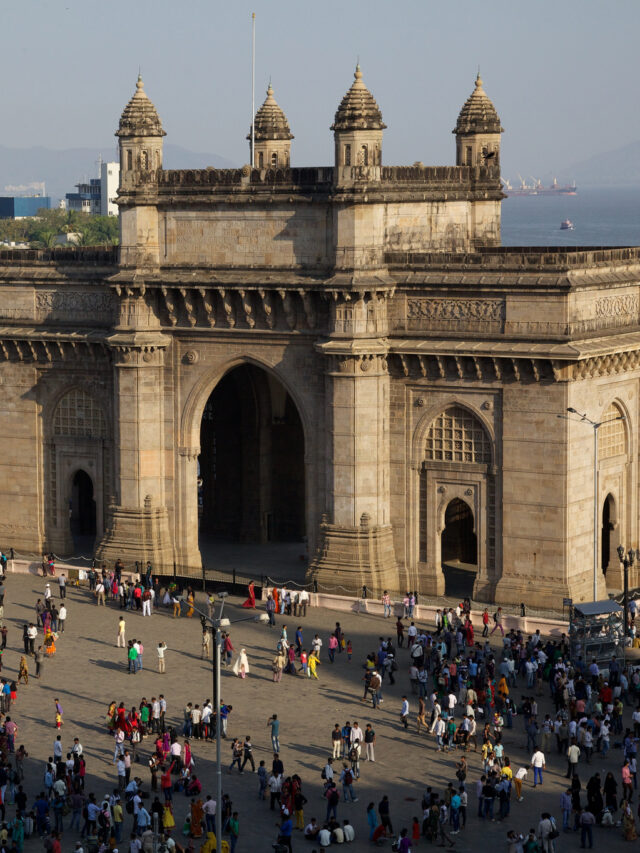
323, 775
495, 617
348, 777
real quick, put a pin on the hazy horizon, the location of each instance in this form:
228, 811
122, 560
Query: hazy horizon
558, 73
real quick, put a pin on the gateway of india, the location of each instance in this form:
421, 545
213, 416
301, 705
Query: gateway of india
343, 356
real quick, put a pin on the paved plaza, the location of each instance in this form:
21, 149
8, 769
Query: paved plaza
88, 672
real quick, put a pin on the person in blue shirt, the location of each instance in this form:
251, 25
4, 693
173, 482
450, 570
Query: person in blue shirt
274, 722
299, 640
286, 829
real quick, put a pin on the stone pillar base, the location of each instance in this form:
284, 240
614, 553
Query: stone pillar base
353, 557
484, 589
546, 593
431, 581
138, 534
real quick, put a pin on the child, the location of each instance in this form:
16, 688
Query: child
304, 661
415, 832
59, 713
349, 650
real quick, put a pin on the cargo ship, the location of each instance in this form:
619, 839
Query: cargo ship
537, 188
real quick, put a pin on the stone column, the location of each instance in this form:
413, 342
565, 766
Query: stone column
138, 525
356, 538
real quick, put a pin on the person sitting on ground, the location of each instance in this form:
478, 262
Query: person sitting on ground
311, 829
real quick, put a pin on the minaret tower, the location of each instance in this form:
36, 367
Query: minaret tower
478, 130
140, 133
357, 129
272, 135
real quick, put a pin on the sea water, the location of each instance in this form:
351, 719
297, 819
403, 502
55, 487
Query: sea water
601, 217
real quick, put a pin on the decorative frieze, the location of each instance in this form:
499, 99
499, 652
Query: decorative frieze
452, 314
622, 305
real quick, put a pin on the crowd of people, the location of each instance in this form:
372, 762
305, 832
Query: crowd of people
477, 703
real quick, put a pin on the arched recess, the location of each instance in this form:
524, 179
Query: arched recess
616, 493
244, 439
459, 548
609, 538
455, 459
78, 440
82, 512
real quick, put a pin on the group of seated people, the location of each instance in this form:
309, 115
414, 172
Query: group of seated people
330, 833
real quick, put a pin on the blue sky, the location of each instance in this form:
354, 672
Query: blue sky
562, 74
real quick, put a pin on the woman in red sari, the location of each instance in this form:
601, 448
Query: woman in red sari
274, 595
251, 601
469, 627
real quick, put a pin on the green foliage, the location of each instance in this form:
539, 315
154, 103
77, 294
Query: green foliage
40, 231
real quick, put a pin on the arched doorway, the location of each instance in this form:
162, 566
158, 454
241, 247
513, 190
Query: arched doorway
251, 476
459, 549
608, 527
82, 513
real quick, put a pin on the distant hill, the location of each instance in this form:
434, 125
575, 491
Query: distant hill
619, 167
60, 170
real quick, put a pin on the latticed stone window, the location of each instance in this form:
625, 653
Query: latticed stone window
612, 436
455, 435
78, 413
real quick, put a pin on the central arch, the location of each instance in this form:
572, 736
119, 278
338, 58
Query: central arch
251, 469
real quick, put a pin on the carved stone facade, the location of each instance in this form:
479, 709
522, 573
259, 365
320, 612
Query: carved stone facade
343, 355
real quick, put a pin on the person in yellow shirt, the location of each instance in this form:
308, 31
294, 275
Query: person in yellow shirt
313, 663
507, 772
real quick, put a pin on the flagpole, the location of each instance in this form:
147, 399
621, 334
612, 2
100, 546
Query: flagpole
253, 88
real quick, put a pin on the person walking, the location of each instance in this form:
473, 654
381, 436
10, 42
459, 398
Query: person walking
206, 641
573, 754
241, 664
386, 604
404, 712
247, 754
162, 648
369, 743
538, 764
587, 822
497, 618
120, 639
274, 722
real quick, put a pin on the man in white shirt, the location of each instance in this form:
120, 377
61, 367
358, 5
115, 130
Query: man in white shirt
538, 764
209, 809
324, 837
303, 602
348, 831
412, 633
57, 748
316, 645
356, 734
311, 829
62, 618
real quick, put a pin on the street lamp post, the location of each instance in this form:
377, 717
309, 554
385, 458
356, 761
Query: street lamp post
595, 425
627, 560
216, 624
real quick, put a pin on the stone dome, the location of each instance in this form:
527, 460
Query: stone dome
478, 115
270, 121
358, 109
139, 117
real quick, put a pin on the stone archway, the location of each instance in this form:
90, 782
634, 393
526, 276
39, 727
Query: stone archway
609, 539
82, 512
459, 549
251, 469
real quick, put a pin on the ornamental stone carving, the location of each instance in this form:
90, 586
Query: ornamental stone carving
190, 356
617, 306
74, 302
438, 308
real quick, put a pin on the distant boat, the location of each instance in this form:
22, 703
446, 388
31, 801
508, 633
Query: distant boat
566, 225
536, 188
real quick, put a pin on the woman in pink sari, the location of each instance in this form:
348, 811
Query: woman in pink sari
251, 601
